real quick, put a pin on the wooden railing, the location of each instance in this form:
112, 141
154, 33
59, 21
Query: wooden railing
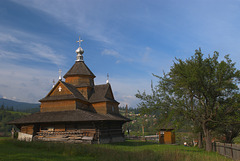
229, 150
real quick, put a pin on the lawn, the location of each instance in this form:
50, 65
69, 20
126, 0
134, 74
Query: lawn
127, 151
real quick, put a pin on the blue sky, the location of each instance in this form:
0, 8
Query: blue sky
130, 40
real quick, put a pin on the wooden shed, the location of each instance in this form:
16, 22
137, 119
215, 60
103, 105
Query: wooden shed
167, 136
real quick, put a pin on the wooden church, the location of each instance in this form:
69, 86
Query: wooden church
75, 110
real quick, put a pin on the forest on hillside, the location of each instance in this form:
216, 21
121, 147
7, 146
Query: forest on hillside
7, 114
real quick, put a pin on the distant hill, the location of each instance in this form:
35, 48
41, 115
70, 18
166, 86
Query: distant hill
19, 106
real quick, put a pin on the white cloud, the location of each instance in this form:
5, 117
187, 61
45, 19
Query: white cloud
104, 24
8, 38
8, 54
78, 15
23, 48
110, 52
24, 84
44, 52
19, 82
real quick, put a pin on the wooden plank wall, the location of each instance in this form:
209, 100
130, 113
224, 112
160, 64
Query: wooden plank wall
80, 81
58, 105
112, 107
100, 107
27, 129
106, 107
167, 137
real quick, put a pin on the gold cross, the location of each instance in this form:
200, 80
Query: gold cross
79, 41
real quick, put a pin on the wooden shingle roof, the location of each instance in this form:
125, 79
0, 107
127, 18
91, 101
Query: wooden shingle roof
75, 94
74, 91
68, 116
79, 69
100, 94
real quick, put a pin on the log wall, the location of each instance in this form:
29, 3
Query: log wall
82, 81
59, 127
105, 107
82, 132
27, 129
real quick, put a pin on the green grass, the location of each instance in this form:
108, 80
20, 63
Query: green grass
4, 138
127, 151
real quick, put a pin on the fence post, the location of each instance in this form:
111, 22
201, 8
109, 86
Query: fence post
214, 146
224, 149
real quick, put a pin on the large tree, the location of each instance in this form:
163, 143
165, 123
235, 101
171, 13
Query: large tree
198, 89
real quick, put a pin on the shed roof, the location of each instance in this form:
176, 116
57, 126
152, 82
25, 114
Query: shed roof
68, 116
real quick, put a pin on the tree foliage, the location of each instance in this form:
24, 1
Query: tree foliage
7, 115
199, 89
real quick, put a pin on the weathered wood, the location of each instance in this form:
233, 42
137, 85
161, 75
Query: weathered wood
59, 127
82, 123
27, 129
229, 150
100, 107
85, 91
112, 107
61, 105
166, 137
79, 81
57, 92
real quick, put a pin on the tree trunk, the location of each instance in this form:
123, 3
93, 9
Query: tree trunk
228, 137
200, 143
208, 138
143, 130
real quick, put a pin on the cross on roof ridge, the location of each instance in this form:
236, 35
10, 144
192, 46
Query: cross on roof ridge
79, 41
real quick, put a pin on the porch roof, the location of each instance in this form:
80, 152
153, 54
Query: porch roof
68, 116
